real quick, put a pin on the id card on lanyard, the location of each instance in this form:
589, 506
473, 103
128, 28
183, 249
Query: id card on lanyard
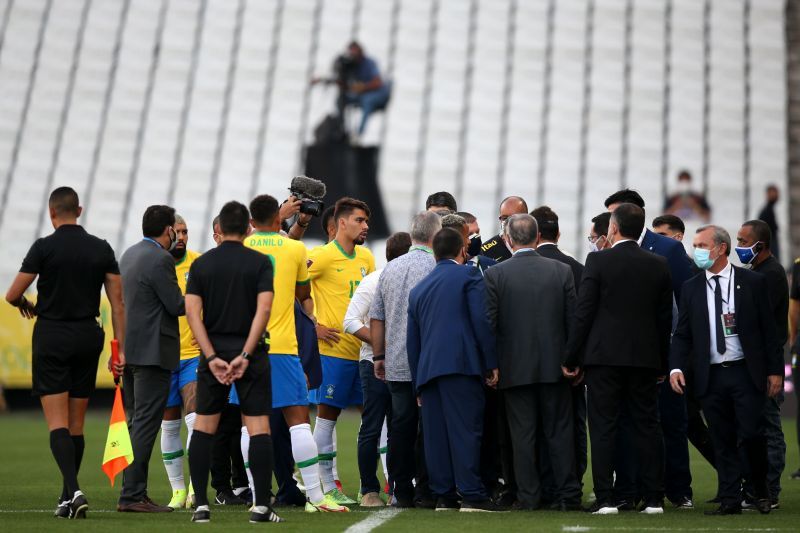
728, 320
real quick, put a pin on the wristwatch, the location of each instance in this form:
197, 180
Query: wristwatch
246, 355
211, 357
378, 357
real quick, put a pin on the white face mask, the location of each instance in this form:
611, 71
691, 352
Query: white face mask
684, 186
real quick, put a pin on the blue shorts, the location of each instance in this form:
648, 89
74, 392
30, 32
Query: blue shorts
341, 383
183, 375
288, 381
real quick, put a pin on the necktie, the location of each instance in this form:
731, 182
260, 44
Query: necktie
718, 315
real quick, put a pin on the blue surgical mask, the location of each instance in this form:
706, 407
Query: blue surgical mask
747, 254
702, 258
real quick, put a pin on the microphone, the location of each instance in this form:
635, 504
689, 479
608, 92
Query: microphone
308, 187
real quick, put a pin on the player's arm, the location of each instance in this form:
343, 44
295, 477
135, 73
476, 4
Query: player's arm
16, 294
358, 308
194, 315
113, 286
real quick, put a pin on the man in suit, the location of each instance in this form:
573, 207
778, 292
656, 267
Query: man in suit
672, 408
726, 324
531, 303
153, 302
549, 234
450, 351
495, 248
621, 340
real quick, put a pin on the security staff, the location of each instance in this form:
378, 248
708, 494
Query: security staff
71, 265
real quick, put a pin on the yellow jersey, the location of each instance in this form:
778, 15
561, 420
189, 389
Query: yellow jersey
288, 258
188, 350
334, 278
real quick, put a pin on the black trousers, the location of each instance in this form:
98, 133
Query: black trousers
145, 396
491, 465
549, 492
543, 409
227, 464
734, 407
406, 457
609, 388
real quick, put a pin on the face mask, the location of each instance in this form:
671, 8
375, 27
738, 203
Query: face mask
684, 186
702, 258
173, 239
593, 247
747, 254
474, 245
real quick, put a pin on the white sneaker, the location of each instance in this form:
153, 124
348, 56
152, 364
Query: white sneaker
652, 510
607, 510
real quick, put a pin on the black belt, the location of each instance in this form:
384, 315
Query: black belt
728, 364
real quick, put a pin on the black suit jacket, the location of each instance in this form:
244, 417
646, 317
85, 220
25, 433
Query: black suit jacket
624, 310
754, 322
531, 303
551, 251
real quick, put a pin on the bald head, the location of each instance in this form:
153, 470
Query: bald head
512, 205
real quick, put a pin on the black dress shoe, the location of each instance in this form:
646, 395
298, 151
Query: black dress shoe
715, 499
626, 505
402, 503
723, 510
564, 506
764, 506
425, 503
519, 506
447, 504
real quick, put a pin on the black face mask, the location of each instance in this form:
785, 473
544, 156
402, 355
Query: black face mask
474, 245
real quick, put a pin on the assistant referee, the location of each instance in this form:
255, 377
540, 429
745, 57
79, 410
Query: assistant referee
228, 302
72, 266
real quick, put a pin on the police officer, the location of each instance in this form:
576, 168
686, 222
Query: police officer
71, 265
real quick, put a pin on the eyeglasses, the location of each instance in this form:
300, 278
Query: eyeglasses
594, 239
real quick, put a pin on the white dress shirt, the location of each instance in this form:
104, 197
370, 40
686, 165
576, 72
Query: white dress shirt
357, 315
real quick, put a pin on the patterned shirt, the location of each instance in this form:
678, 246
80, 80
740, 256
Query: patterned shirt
391, 305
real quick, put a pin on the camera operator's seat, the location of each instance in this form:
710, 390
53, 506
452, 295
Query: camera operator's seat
351, 120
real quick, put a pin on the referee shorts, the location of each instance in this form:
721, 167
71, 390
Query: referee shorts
65, 356
254, 389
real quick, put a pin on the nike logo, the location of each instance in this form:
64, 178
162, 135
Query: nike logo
339, 270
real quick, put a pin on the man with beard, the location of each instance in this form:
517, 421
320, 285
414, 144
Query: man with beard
336, 269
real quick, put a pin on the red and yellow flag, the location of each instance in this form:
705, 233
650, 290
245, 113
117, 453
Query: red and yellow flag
119, 450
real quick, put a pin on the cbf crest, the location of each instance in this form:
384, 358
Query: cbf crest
329, 391
363, 272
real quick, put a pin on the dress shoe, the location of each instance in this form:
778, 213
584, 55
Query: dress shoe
565, 506
723, 510
145, 506
764, 506
520, 506
447, 504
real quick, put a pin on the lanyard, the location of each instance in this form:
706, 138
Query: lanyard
421, 248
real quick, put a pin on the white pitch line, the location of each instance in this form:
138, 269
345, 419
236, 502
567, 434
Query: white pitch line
373, 521
584, 529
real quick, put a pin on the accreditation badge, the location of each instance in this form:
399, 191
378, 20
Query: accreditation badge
729, 324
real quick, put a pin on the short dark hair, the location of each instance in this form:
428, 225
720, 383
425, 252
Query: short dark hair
626, 196
345, 207
674, 223
215, 222
447, 243
156, 218
234, 219
397, 244
326, 217
442, 198
469, 217
630, 220
547, 220
761, 230
601, 223
264, 208
64, 201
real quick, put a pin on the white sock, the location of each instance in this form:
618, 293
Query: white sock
323, 436
245, 445
189, 419
172, 452
383, 447
304, 451
335, 471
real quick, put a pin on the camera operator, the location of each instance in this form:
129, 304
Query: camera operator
304, 203
359, 82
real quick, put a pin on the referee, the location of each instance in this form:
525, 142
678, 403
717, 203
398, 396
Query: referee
67, 337
228, 301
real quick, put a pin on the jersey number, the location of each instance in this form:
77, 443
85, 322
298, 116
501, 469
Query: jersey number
353, 286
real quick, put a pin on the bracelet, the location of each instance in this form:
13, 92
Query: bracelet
211, 357
378, 357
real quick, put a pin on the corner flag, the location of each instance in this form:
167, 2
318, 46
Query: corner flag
119, 451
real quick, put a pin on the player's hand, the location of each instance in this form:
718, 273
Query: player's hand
492, 378
237, 368
290, 208
774, 385
419, 400
220, 369
380, 370
26, 309
571, 374
329, 336
677, 382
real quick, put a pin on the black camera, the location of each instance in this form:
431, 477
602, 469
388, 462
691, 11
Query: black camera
310, 192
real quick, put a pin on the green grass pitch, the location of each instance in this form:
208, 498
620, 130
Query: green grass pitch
30, 484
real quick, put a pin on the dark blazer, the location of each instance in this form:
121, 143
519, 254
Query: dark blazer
552, 251
754, 321
448, 332
530, 301
624, 311
680, 266
153, 303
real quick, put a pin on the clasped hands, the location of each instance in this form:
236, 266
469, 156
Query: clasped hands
225, 372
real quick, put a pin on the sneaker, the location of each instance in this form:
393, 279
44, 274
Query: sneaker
339, 485
62, 511
625, 505
447, 504
774, 503
264, 514
178, 499
684, 503
227, 497
202, 514
339, 497
653, 508
299, 480
371, 499
485, 506
386, 488
78, 506
190, 501
326, 505
599, 507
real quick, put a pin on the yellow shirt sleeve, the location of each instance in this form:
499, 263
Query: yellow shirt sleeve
318, 260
